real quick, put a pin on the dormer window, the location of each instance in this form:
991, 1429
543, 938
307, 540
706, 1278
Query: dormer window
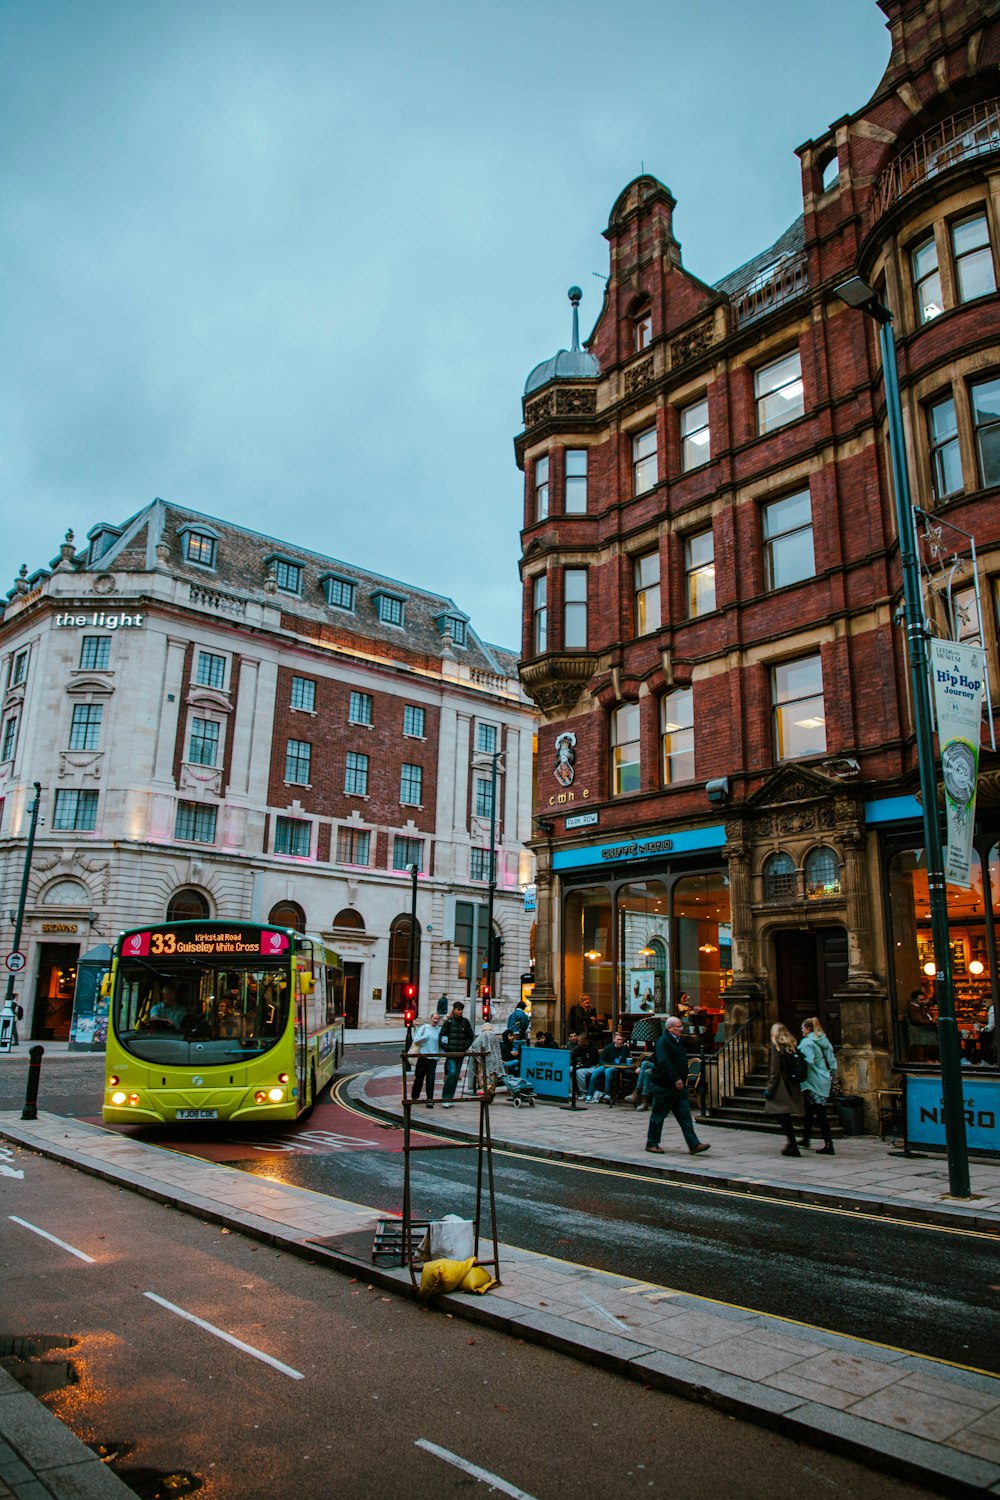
101, 538
457, 625
287, 574
339, 591
389, 608
199, 545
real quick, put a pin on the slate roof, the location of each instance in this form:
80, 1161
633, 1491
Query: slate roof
242, 567
790, 243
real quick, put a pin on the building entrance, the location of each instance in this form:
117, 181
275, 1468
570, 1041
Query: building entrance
352, 995
54, 989
809, 969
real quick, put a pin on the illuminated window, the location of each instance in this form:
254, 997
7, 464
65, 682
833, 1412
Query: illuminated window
677, 735
779, 877
201, 549
926, 281
799, 712
695, 437
822, 873
625, 761
699, 573
647, 593
778, 392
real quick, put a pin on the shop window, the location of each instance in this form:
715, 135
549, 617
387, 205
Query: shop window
703, 942
677, 736
779, 878
187, 905
647, 593
575, 609
973, 256
288, 914
926, 281
946, 459
625, 760
643, 948
588, 956
778, 392
541, 474
822, 874
699, 573
645, 468
576, 481
788, 541
695, 437
540, 615
986, 420
399, 973
798, 708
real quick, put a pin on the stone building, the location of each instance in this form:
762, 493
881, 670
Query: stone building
726, 775
226, 725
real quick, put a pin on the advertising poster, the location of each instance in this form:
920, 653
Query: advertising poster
924, 1106
957, 673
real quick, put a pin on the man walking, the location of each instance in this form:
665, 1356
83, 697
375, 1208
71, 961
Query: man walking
670, 1073
456, 1039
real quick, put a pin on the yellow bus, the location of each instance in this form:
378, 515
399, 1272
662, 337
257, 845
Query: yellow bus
220, 1021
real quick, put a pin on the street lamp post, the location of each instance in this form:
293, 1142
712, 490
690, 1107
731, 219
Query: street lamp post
19, 918
493, 882
858, 294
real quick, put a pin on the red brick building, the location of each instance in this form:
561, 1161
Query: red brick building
726, 767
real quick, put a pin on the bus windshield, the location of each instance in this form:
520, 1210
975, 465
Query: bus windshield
199, 1013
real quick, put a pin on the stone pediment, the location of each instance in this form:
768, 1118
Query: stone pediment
205, 697
792, 784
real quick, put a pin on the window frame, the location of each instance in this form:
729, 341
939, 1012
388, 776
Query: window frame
288, 575
480, 857
303, 689
487, 730
403, 852
346, 834
356, 774
699, 575
677, 739
8, 742
643, 592
19, 667
483, 801
101, 652
199, 817
411, 780
84, 807
288, 831
410, 733
343, 586
924, 306
937, 446
772, 545
576, 482
390, 610
298, 759
781, 708
575, 610
360, 707
959, 257
541, 471
766, 426
85, 726
621, 768
196, 542
540, 613
206, 735
645, 462
208, 680
689, 437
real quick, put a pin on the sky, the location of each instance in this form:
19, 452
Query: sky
289, 262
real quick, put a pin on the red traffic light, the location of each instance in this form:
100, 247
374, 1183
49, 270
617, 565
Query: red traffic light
487, 1010
409, 1015
409, 993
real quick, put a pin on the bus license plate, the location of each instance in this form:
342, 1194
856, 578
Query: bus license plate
197, 1114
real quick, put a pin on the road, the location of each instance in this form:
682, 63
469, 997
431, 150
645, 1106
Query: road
333, 1387
929, 1290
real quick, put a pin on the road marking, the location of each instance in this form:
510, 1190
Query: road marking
6, 1157
46, 1236
483, 1475
228, 1338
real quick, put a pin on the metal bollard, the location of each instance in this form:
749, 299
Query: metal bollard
30, 1110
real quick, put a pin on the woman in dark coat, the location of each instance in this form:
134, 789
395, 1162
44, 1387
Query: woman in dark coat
782, 1097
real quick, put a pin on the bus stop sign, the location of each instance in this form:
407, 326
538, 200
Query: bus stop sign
16, 961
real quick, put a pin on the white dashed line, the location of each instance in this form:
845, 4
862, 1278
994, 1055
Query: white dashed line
228, 1338
46, 1236
483, 1475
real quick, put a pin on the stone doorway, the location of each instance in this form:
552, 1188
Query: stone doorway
810, 966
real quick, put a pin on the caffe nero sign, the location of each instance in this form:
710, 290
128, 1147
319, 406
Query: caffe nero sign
634, 850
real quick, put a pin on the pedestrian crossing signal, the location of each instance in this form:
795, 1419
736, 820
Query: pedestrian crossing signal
409, 1003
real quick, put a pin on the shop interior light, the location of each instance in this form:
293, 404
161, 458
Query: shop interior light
930, 969
976, 967
592, 955
708, 948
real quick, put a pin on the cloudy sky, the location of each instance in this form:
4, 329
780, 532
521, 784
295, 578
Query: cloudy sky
289, 261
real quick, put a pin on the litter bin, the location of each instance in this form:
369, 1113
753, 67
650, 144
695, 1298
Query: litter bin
851, 1109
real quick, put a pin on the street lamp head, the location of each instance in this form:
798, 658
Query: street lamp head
858, 294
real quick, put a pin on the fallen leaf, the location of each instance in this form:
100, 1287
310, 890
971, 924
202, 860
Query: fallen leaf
498, 1407
470, 1341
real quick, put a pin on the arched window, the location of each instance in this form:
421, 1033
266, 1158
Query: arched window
399, 962
350, 918
779, 877
187, 905
829, 171
288, 914
66, 893
822, 873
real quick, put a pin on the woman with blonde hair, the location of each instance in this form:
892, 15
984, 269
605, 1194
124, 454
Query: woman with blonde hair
783, 1096
818, 1053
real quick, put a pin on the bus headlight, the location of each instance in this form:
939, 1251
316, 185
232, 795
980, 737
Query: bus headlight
276, 1095
114, 1081
118, 1097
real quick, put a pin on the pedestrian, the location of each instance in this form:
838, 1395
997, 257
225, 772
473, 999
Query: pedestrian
427, 1039
818, 1053
783, 1095
456, 1038
442, 1006
670, 1075
519, 1022
614, 1055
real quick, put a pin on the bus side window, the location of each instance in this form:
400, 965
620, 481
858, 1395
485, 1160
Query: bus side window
316, 1001
331, 996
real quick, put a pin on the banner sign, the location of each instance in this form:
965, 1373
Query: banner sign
547, 1070
957, 676
924, 1111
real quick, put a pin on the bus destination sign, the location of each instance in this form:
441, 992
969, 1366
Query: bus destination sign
194, 942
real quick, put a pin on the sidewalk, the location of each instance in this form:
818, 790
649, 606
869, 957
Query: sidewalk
39, 1457
911, 1416
870, 1175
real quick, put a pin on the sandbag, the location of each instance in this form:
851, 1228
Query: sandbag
478, 1280
444, 1275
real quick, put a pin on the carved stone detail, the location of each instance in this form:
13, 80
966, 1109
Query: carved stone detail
201, 778
796, 822
638, 376
537, 411
691, 344
573, 402
85, 764
105, 583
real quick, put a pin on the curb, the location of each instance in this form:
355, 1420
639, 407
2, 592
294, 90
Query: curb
902, 1455
953, 1216
48, 1459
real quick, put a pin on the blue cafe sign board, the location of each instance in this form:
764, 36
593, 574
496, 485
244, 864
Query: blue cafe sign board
924, 1105
547, 1070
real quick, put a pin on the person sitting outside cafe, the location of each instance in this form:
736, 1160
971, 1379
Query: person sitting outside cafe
582, 1059
544, 1039
582, 1018
457, 1037
602, 1079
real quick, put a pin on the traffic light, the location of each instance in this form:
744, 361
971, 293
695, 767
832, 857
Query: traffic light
409, 1003
496, 953
484, 992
